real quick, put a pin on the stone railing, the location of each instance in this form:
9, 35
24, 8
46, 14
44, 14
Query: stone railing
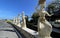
44, 27
26, 32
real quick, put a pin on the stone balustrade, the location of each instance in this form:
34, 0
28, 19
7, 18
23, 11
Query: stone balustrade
44, 27
28, 33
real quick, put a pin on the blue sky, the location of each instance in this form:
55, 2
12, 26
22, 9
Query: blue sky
11, 8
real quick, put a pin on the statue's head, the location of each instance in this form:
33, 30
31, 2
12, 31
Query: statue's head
41, 2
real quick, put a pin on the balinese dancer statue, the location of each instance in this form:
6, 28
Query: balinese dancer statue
44, 27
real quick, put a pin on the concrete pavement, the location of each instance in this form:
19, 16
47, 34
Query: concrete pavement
7, 31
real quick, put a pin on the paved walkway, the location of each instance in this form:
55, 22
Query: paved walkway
7, 31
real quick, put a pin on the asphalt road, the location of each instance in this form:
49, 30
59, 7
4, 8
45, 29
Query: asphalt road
7, 31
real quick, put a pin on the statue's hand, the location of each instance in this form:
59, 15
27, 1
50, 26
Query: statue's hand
52, 14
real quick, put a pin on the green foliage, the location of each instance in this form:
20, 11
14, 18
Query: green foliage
51, 6
8, 21
54, 6
35, 15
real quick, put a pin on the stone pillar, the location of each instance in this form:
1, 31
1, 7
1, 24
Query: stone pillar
23, 20
18, 20
44, 27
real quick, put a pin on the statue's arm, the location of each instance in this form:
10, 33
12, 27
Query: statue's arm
49, 14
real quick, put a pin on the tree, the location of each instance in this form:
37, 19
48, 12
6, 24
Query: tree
35, 17
54, 8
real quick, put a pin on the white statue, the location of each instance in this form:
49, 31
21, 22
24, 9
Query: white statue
14, 21
23, 21
44, 27
18, 20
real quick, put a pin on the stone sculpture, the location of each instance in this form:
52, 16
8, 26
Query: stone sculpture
23, 20
15, 20
44, 27
18, 20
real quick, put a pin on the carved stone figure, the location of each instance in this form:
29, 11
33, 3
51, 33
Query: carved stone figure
23, 21
18, 20
15, 21
44, 27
